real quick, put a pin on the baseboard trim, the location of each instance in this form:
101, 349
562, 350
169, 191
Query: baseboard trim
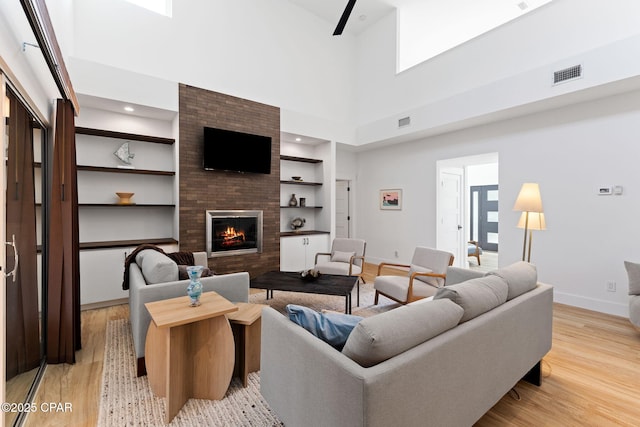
103, 304
601, 306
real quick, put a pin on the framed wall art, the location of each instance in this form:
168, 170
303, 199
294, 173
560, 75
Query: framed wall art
391, 199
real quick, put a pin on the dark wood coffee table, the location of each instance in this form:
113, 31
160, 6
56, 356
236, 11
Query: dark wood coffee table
326, 284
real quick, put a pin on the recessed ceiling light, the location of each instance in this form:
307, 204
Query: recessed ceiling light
298, 139
523, 5
129, 109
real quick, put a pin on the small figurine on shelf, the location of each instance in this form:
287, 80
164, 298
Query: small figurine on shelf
293, 201
297, 223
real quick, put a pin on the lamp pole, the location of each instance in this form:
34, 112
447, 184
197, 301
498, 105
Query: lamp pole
524, 244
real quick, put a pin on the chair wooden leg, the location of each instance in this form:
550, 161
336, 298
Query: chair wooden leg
375, 299
478, 257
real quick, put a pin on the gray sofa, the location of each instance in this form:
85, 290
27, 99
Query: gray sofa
450, 380
157, 268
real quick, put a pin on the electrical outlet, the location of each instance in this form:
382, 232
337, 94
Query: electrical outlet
611, 286
396, 254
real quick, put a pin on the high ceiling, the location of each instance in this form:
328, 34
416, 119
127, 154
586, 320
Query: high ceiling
367, 12
426, 28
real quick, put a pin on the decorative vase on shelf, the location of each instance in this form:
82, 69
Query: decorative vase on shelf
194, 290
293, 201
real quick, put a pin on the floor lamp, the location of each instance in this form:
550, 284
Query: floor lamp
528, 201
536, 222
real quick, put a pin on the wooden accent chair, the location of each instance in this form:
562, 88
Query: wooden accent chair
474, 250
346, 258
427, 273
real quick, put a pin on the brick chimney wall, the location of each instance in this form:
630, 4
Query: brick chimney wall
202, 190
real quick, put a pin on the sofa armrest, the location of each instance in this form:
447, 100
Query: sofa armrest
297, 368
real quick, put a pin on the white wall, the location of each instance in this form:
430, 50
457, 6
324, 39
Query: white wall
272, 52
486, 174
27, 68
569, 152
503, 69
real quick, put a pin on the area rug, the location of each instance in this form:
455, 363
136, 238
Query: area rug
127, 400
327, 302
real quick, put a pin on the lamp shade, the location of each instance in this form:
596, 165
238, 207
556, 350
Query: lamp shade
536, 221
529, 198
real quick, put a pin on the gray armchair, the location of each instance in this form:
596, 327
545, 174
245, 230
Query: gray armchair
234, 287
633, 272
346, 258
427, 272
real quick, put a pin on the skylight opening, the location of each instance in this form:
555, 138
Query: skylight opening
427, 29
163, 7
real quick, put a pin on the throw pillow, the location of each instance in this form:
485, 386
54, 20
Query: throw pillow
333, 328
338, 256
380, 337
156, 267
520, 276
476, 296
183, 275
633, 272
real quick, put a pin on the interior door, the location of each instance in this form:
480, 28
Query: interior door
484, 216
450, 215
23, 137
343, 216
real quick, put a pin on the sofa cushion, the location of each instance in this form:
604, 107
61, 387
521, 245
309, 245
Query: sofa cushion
183, 275
476, 296
338, 256
520, 276
333, 328
156, 267
633, 273
459, 275
380, 337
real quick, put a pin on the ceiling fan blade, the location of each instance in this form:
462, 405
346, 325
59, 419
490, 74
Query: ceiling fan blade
344, 18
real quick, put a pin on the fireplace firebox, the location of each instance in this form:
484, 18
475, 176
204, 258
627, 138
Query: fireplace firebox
233, 232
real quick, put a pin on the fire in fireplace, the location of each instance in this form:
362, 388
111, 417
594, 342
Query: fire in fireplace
233, 232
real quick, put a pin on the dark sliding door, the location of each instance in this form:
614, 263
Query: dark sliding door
24, 219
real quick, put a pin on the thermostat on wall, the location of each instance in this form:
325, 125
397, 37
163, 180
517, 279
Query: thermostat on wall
605, 191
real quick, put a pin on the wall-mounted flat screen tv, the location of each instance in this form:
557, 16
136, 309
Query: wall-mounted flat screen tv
229, 150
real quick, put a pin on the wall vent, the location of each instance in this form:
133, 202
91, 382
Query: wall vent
570, 73
405, 121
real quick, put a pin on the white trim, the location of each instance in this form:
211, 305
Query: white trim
601, 306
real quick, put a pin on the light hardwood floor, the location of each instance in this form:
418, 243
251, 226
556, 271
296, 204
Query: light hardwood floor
592, 375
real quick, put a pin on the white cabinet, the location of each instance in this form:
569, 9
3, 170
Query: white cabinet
298, 253
102, 272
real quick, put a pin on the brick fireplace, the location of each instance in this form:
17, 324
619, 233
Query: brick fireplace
233, 232
205, 190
